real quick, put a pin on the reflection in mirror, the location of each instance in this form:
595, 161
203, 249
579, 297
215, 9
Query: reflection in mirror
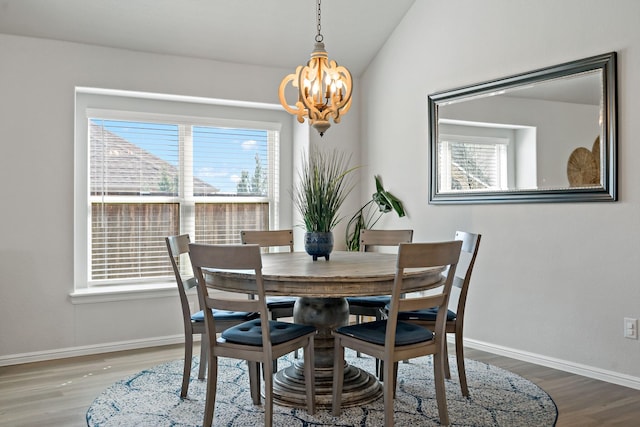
548, 135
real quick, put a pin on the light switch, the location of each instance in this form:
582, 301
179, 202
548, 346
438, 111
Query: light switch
631, 328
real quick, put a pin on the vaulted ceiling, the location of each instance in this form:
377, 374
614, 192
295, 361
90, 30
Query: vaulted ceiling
276, 33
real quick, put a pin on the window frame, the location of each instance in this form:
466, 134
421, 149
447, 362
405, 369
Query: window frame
122, 105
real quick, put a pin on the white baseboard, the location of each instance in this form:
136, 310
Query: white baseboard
61, 353
559, 364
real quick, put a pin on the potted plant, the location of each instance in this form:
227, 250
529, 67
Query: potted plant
367, 216
322, 188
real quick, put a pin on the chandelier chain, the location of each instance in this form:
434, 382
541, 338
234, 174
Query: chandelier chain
319, 36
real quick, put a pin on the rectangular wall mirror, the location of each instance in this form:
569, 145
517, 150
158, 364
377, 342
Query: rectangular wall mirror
548, 135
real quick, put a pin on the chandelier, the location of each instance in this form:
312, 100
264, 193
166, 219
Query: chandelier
324, 88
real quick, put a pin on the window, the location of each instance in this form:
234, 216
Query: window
149, 174
479, 156
154, 179
472, 163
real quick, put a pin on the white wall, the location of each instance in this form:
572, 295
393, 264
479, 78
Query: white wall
37, 86
553, 282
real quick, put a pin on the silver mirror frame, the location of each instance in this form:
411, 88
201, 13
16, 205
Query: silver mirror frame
607, 192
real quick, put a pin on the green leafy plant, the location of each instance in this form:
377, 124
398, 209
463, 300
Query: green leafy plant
322, 188
368, 215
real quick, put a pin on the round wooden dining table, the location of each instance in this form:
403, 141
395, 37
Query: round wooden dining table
322, 286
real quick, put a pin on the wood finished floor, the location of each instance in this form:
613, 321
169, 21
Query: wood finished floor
58, 393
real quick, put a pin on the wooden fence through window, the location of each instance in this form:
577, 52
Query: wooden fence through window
127, 239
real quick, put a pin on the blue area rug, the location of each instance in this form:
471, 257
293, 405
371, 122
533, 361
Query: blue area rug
152, 398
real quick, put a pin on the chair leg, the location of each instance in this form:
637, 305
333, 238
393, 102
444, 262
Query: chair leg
186, 372
441, 396
445, 357
388, 390
268, 397
210, 401
203, 357
274, 368
309, 376
338, 377
358, 321
395, 378
379, 315
462, 375
254, 381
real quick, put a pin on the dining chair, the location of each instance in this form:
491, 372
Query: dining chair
177, 246
279, 307
259, 341
373, 306
455, 312
391, 340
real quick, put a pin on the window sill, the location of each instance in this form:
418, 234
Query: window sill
100, 294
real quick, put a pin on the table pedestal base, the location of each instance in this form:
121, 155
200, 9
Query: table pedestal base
360, 387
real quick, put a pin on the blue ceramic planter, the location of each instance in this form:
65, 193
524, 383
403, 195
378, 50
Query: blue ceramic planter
318, 244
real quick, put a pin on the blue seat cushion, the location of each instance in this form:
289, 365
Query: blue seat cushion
280, 302
406, 333
373, 301
224, 315
427, 314
250, 333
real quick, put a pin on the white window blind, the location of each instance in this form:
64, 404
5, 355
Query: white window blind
247, 156
150, 179
467, 165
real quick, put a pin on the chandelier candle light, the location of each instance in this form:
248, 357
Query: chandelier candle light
324, 88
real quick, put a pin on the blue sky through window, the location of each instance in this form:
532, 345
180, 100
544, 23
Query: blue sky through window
220, 155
